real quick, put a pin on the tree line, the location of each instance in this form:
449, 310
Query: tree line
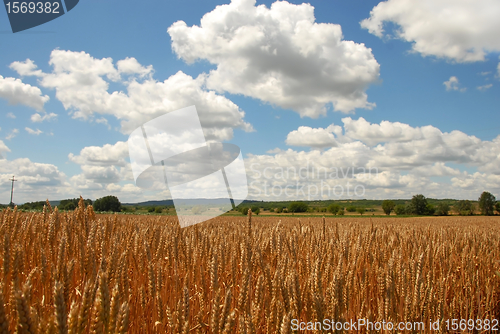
418, 205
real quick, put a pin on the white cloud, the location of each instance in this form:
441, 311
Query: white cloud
101, 174
26, 68
3, 147
390, 160
33, 132
317, 138
12, 134
37, 118
11, 115
372, 134
458, 30
484, 87
132, 66
279, 55
82, 82
107, 155
453, 84
102, 165
17, 92
103, 121
36, 181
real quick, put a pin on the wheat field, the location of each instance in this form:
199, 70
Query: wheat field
79, 272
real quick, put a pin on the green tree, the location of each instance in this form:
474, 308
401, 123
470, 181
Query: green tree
487, 203
68, 206
420, 204
429, 209
298, 207
400, 209
351, 208
443, 209
334, 208
158, 209
464, 208
72, 204
108, 203
279, 209
361, 210
497, 207
410, 209
255, 209
341, 212
388, 206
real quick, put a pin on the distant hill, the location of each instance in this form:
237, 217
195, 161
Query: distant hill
197, 201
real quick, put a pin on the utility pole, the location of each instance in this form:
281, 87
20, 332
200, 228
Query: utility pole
12, 190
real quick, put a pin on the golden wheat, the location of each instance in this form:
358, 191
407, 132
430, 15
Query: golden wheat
79, 272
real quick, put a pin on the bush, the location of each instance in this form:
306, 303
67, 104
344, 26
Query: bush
158, 209
279, 210
341, 212
151, 209
108, 203
298, 207
334, 208
400, 209
388, 206
361, 210
351, 208
497, 207
255, 210
442, 209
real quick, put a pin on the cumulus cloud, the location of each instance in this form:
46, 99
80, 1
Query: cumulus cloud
33, 132
81, 83
132, 66
458, 30
10, 115
37, 118
107, 155
102, 165
389, 159
16, 92
26, 68
3, 147
311, 137
36, 181
279, 55
453, 84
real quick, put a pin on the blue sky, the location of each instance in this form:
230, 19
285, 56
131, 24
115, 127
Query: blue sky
415, 96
